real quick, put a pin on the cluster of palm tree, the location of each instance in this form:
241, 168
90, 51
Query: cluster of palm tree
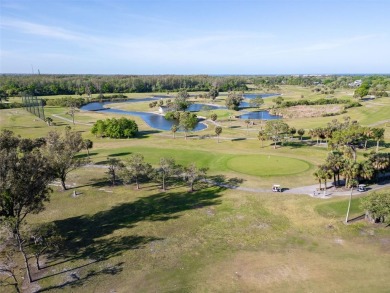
347, 133
337, 163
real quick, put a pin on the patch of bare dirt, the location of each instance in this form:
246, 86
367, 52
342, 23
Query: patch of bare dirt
308, 111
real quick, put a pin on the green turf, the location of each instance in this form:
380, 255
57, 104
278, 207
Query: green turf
338, 208
267, 165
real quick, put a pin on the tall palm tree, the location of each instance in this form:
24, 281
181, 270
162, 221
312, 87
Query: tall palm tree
319, 175
353, 183
378, 134
379, 162
366, 170
350, 171
174, 129
218, 131
262, 136
335, 162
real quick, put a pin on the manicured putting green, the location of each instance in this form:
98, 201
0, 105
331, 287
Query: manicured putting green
263, 165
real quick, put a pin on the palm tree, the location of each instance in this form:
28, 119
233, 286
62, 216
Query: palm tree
174, 129
319, 174
247, 122
301, 132
218, 131
262, 136
378, 134
366, 170
367, 134
379, 162
353, 183
49, 121
351, 171
335, 162
88, 144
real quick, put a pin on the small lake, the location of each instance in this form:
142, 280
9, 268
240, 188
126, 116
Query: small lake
159, 122
153, 120
260, 115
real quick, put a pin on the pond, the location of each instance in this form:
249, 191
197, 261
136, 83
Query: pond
153, 120
259, 115
159, 122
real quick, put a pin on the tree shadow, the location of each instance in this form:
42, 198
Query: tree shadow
294, 144
84, 233
76, 281
83, 156
120, 154
146, 133
221, 180
239, 138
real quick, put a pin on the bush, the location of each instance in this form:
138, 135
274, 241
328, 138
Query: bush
115, 128
377, 205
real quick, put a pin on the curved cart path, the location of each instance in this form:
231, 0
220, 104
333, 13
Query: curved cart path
309, 189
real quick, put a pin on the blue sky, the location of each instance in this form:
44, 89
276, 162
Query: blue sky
195, 36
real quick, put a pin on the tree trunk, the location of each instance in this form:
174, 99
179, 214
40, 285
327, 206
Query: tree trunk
63, 183
21, 249
192, 186
136, 182
365, 144
88, 152
377, 145
349, 206
334, 179
163, 182
325, 188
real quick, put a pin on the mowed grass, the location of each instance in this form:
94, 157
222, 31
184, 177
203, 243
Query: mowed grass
212, 240
267, 165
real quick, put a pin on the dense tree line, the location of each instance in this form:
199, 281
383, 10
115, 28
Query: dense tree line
40, 85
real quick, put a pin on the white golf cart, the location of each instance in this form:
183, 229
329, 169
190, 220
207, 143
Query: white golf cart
362, 188
276, 188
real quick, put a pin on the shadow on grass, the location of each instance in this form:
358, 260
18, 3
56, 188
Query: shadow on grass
74, 280
146, 133
81, 156
120, 154
294, 144
88, 237
221, 180
84, 234
239, 138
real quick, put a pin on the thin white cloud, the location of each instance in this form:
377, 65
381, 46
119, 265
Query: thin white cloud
39, 29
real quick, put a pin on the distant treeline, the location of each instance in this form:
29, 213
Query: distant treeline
41, 85
46, 85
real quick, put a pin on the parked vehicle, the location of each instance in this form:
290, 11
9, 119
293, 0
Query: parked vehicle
276, 188
362, 188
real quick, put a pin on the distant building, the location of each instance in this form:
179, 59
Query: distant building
356, 83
